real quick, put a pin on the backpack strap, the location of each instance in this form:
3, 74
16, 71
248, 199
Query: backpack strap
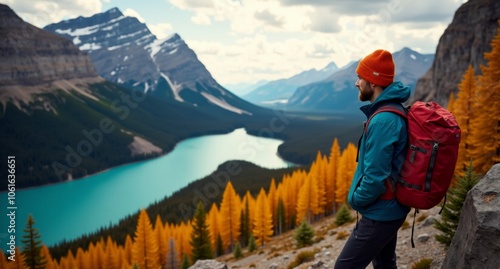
387, 108
390, 183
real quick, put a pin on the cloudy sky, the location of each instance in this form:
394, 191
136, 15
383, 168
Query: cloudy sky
244, 41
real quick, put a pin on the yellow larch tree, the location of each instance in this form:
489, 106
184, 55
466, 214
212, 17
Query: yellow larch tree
461, 107
331, 176
485, 125
82, 259
111, 255
145, 248
99, 254
272, 197
161, 239
318, 174
3, 261
91, 256
68, 261
345, 172
120, 257
251, 204
185, 230
230, 211
307, 203
451, 102
290, 201
51, 264
18, 263
263, 222
295, 182
127, 249
213, 224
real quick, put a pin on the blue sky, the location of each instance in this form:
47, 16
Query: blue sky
245, 41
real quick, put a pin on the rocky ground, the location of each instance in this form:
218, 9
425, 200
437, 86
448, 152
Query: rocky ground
281, 251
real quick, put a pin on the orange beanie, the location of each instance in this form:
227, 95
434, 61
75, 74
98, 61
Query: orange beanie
377, 68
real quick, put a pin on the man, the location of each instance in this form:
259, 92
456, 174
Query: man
382, 150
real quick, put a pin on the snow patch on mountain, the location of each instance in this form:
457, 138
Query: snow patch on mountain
154, 47
175, 87
223, 104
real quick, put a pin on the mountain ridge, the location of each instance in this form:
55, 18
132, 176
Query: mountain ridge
282, 89
125, 52
31, 56
338, 91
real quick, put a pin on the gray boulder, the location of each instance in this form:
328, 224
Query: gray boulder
476, 243
208, 264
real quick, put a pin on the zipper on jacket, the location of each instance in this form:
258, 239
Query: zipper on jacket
359, 141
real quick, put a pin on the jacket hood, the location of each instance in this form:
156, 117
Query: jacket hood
396, 92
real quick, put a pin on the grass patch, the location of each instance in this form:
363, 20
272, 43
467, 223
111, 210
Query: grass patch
342, 235
422, 264
302, 257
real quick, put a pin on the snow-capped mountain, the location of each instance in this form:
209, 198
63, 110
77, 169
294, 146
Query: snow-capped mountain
338, 91
124, 51
280, 90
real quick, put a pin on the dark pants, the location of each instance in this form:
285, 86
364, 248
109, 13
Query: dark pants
371, 241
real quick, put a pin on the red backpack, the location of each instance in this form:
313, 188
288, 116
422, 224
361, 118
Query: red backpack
433, 139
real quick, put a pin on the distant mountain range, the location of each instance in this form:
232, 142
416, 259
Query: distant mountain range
338, 92
125, 52
278, 91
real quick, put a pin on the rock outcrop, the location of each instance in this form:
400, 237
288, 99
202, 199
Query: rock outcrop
463, 43
30, 56
208, 264
476, 243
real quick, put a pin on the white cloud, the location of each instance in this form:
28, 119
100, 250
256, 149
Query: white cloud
324, 21
42, 13
132, 13
268, 18
201, 19
251, 40
161, 30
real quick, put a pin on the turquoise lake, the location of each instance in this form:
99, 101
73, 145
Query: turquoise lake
67, 210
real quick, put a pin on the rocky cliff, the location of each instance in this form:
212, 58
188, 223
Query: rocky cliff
30, 56
462, 44
476, 244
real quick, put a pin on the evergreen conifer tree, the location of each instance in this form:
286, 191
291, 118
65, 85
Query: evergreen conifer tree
343, 215
237, 252
200, 236
185, 262
32, 246
252, 246
304, 234
452, 210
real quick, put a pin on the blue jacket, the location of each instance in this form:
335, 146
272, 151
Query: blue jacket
381, 154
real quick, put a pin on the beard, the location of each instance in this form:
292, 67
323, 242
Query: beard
365, 93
